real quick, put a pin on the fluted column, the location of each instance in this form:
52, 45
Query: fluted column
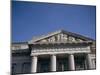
71, 62
89, 62
34, 64
53, 62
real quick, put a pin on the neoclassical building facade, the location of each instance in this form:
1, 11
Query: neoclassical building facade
57, 51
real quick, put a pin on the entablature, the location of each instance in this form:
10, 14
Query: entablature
60, 50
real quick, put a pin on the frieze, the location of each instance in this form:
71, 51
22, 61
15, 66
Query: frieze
61, 50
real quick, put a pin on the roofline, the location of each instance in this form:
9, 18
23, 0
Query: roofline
19, 43
53, 33
79, 35
73, 34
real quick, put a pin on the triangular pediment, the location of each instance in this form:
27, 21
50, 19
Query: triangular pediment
61, 36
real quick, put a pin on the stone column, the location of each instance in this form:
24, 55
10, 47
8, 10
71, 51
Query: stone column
53, 62
71, 62
34, 64
89, 62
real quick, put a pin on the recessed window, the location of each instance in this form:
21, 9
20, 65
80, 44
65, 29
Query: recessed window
13, 68
26, 67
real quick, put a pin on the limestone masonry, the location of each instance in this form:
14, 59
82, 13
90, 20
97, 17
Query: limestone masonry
57, 51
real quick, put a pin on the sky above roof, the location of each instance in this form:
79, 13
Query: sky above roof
34, 18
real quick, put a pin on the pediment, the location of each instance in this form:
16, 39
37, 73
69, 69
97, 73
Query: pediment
62, 36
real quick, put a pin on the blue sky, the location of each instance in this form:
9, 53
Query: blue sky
32, 19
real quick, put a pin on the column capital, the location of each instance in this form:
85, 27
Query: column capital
53, 54
34, 55
70, 53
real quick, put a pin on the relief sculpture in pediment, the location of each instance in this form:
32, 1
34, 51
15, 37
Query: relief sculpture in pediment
60, 38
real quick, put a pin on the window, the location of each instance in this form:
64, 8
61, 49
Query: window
62, 65
43, 65
26, 67
13, 68
80, 63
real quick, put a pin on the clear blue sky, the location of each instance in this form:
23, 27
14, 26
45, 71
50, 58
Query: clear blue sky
32, 18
